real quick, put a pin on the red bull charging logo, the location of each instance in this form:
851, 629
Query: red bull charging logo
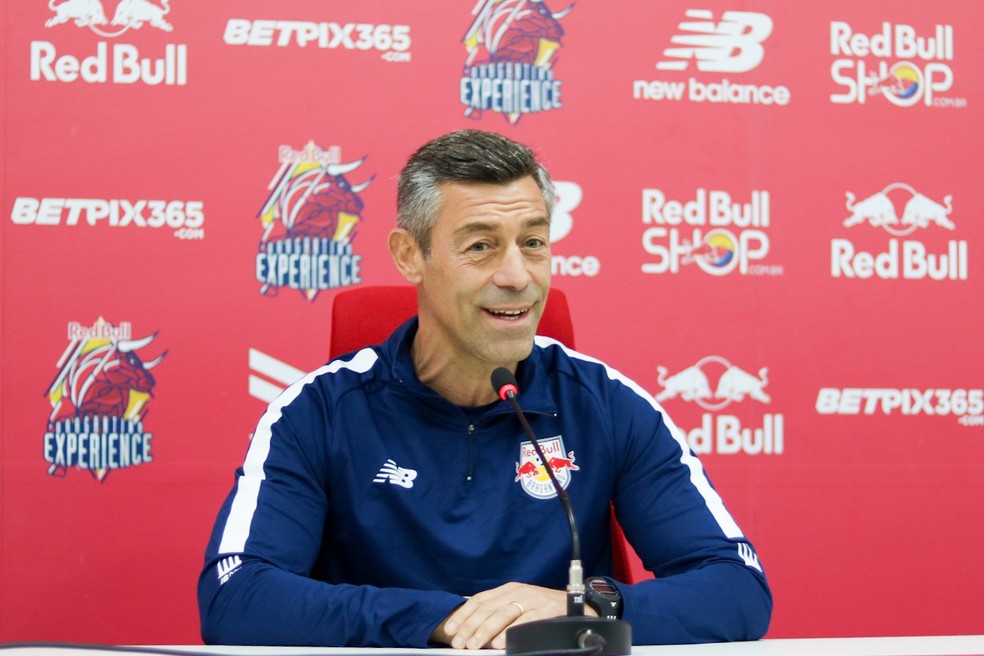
714, 383
512, 47
532, 474
99, 400
310, 220
900, 210
123, 63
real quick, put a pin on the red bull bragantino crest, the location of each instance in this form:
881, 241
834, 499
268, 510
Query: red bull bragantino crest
99, 400
533, 476
512, 46
310, 220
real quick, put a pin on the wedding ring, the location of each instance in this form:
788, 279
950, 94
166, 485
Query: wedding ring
518, 605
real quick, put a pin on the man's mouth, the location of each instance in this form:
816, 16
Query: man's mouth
509, 315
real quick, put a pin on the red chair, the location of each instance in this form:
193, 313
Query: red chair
367, 315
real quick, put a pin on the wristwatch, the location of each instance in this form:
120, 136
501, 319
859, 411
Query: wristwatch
602, 595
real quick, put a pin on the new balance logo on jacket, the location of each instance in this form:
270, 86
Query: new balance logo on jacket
391, 473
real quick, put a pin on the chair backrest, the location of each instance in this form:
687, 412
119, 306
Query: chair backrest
363, 316
366, 315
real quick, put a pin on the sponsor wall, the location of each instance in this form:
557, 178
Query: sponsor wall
769, 215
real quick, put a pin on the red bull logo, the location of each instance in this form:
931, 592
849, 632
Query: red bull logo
713, 383
310, 219
122, 63
900, 210
532, 474
512, 46
99, 400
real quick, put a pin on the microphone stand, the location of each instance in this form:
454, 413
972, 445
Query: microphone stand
575, 632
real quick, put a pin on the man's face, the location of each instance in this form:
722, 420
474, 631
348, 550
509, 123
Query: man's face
484, 286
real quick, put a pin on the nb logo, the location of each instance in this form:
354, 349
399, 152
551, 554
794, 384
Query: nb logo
227, 567
750, 557
391, 473
733, 45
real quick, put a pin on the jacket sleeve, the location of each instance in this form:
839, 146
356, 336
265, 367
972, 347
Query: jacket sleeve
257, 588
710, 585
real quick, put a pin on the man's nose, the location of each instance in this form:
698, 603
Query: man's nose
513, 270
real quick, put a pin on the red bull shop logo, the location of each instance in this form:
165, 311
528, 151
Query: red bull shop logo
920, 73
713, 383
900, 210
99, 400
676, 233
310, 220
532, 474
512, 46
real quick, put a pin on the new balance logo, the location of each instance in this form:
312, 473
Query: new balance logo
733, 45
391, 473
280, 372
227, 567
750, 557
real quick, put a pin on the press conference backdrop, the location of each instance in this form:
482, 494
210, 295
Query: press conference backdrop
769, 215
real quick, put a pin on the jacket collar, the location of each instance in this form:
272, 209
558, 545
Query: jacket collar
535, 395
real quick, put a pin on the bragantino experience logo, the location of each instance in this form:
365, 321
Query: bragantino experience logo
99, 400
310, 220
512, 46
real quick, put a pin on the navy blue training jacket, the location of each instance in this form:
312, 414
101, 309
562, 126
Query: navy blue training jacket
368, 506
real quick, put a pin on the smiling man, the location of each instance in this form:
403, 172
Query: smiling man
386, 498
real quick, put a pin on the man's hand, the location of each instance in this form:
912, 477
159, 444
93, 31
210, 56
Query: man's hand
483, 619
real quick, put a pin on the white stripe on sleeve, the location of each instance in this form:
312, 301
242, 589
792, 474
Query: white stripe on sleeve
240, 518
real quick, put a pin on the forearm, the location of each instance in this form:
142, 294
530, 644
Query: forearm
263, 605
714, 603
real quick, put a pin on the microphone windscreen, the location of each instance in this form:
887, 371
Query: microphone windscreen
503, 381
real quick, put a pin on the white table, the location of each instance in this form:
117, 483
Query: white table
968, 645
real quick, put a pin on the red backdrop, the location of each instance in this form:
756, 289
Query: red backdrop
769, 215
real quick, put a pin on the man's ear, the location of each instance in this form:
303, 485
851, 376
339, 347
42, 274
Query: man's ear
406, 255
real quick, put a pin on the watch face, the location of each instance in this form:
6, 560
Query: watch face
604, 588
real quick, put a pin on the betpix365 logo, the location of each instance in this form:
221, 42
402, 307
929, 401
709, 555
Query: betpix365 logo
737, 238
310, 220
908, 259
393, 41
99, 401
732, 45
185, 218
724, 433
123, 63
512, 48
965, 405
897, 63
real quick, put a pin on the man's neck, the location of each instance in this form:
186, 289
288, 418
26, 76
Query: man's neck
460, 383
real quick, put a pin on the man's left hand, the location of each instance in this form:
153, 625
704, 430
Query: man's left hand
483, 619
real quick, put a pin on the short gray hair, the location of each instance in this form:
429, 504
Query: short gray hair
463, 156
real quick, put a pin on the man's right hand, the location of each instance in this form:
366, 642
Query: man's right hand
483, 619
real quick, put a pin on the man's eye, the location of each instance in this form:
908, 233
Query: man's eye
478, 247
535, 243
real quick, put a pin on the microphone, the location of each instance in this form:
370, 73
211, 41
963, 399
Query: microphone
597, 635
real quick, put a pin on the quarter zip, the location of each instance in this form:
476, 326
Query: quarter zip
469, 474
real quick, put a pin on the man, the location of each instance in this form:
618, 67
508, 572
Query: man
381, 501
